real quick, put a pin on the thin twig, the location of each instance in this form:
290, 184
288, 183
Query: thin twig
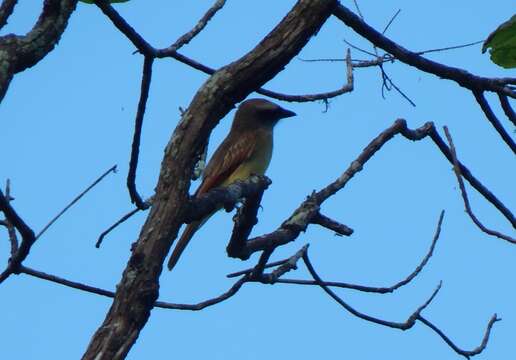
77, 198
454, 47
248, 271
396, 325
466, 353
463, 78
467, 205
284, 268
11, 230
201, 24
477, 185
388, 80
115, 225
391, 21
370, 289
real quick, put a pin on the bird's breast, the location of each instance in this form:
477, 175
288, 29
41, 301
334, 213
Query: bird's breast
257, 163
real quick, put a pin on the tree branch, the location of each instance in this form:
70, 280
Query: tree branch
6, 9
466, 353
21, 52
411, 320
369, 289
201, 24
490, 115
138, 123
161, 304
507, 109
461, 77
227, 196
467, 205
138, 289
308, 211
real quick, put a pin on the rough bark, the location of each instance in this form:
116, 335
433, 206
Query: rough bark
18, 53
139, 286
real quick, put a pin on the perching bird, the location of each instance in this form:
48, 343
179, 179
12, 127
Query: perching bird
245, 151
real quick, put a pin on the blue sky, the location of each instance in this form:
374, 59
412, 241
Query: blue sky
69, 118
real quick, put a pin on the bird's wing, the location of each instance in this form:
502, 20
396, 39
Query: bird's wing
226, 159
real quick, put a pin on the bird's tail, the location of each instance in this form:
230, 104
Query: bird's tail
183, 241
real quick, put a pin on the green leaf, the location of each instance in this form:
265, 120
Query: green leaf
110, 1
502, 42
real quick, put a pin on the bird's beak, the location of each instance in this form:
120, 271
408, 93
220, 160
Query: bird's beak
284, 113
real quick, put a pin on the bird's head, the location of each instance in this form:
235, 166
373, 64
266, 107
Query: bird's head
254, 113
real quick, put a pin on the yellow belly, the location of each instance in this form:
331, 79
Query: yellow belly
257, 163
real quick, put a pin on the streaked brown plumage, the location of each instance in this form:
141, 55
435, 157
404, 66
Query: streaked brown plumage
246, 150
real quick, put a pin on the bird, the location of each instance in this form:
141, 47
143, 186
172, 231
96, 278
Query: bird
245, 151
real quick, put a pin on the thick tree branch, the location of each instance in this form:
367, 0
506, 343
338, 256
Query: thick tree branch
6, 9
138, 123
138, 288
227, 197
18, 53
462, 77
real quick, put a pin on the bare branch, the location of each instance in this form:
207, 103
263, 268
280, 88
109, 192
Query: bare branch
466, 353
244, 219
490, 115
11, 230
411, 320
476, 184
138, 289
27, 234
348, 87
227, 196
370, 289
204, 304
247, 271
186, 38
309, 209
462, 77
21, 52
115, 225
161, 304
506, 106
138, 123
6, 9
290, 264
77, 198
391, 21
467, 205
324, 221
145, 48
